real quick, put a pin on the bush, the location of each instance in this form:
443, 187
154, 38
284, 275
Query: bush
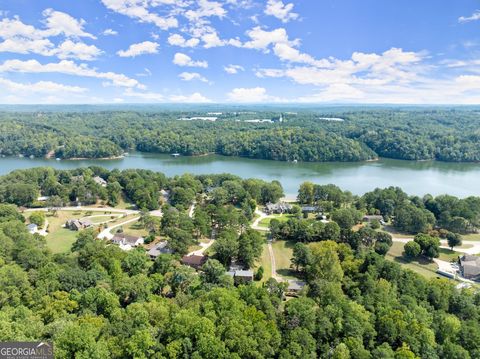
259, 273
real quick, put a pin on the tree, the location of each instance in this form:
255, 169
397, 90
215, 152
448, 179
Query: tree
346, 217
226, 247
302, 257
212, 271
454, 240
38, 218
412, 249
430, 246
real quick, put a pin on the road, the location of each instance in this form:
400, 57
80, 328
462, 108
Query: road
107, 232
256, 223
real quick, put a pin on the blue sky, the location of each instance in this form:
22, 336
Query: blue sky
240, 51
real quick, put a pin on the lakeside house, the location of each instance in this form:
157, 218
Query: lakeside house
158, 249
126, 242
469, 266
32, 228
194, 261
99, 180
78, 224
278, 208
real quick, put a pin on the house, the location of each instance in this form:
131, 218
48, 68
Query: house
126, 241
243, 276
309, 209
294, 287
370, 218
470, 266
278, 208
99, 180
43, 198
158, 249
78, 224
32, 228
194, 261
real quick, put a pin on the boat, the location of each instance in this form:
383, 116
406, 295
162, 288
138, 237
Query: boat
175, 154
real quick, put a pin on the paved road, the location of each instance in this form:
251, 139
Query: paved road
81, 208
107, 234
256, 222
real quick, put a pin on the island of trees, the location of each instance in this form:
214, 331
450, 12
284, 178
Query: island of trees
97, 301
340, 134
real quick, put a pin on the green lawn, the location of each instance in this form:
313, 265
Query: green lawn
265, 262
448, 255
421, 266
61, 240
472, 237
283, 251
281, 217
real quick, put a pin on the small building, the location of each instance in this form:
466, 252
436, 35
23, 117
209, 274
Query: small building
278, 208
78, 224
32, 228
126, 241
99, 180
243, 276
43, 198
158, 249
294, 287
194, 261
470, 266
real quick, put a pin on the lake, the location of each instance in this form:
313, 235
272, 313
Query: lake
459, 179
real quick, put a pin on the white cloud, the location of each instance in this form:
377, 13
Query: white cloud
158, 97
110, 32
254, 94
60, 23
185, 60
68, 68
24, 39
280, 10
139, 9
76, 50
179, 40
233, 69
196, 97
474, 17
146, 47
206, 9
44, 87
261, 39
190, 76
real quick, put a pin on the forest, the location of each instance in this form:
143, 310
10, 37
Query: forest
310, 135
97, 301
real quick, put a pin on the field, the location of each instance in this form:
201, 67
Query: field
281, 217
265, 262
421, 266
283, 250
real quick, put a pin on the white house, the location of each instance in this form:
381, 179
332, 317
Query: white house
126, 242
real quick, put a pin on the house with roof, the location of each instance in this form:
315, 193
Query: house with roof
32, 228
78, 224
158, 249
294, 287
126, 242
278, 208
99, 180
194, 261
469, 266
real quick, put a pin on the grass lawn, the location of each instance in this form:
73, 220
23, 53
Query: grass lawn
265, 262
283, 250
472, 237
281, 217
421, 266
61, 240
135, 229
448, 255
